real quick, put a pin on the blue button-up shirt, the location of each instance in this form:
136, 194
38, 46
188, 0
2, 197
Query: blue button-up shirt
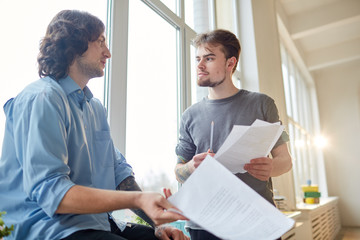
56, 136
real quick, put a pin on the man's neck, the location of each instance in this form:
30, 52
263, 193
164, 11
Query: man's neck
79, 78
224, 90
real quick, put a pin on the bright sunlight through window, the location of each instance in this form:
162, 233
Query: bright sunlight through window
24, 24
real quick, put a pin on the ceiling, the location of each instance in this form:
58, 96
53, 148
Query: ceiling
325, 32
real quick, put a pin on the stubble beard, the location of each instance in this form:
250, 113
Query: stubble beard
90, 69
209, 83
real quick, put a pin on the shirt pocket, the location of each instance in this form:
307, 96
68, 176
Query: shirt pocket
104, 149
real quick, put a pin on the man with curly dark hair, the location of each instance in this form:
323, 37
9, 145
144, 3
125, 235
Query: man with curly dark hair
59, 169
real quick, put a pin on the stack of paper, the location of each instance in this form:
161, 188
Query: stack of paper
248, 142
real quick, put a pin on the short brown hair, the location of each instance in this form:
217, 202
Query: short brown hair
229, 42
67, 37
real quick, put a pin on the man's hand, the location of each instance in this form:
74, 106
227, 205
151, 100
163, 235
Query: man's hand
184, 170
198, 158
155, 206
165, 232
264, 168
260, 168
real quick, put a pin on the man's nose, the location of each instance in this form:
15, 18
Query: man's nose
107, 53
201, 65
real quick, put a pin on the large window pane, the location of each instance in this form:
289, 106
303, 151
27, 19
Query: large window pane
24, 24
151, 125
287, 89
189, 13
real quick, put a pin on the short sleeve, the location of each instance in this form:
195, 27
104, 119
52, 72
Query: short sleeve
272, 116
185, 149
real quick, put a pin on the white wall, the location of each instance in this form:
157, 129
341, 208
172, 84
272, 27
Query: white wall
338, 91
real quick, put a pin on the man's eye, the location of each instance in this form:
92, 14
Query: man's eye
101, 42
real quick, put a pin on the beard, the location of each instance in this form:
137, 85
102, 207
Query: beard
209, 83
92, 70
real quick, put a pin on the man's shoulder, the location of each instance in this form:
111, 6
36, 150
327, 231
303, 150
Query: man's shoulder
43, 85
248, 93
193, 109
254, 96
44, 89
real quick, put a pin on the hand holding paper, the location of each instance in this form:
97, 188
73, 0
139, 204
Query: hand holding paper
248, 142
260, 168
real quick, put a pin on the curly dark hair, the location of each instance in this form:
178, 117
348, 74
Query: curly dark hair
229, 42
67, 37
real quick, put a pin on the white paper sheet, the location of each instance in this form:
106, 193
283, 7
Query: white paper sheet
248, 142
222, 204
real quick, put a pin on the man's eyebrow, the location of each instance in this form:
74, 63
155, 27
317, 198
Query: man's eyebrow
207, 55
102, 38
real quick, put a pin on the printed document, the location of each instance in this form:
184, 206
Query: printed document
222, 204
248, 142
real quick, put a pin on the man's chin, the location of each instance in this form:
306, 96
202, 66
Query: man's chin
203, 83
100, 73
208, 83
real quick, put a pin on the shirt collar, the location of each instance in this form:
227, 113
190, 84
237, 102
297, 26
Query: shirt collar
70, 86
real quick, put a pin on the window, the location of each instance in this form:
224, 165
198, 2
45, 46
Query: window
189, 13
19, 67
150, 77
144, 121
151, 116
307, 163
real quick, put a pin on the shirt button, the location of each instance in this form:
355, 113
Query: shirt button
79, 91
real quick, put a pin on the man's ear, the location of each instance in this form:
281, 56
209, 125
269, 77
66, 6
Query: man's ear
231, 62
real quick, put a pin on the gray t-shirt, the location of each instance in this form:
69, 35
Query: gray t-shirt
242, 108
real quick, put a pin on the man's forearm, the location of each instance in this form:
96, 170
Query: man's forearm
83, 200
129, 184
281, 160
281, 165
183, 172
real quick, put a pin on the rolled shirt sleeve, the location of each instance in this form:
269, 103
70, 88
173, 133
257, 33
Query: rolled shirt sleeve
122, 168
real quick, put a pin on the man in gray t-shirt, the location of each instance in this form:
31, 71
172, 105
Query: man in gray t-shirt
217, 56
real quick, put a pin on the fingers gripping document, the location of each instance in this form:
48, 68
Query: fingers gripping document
222, 204
248, 142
